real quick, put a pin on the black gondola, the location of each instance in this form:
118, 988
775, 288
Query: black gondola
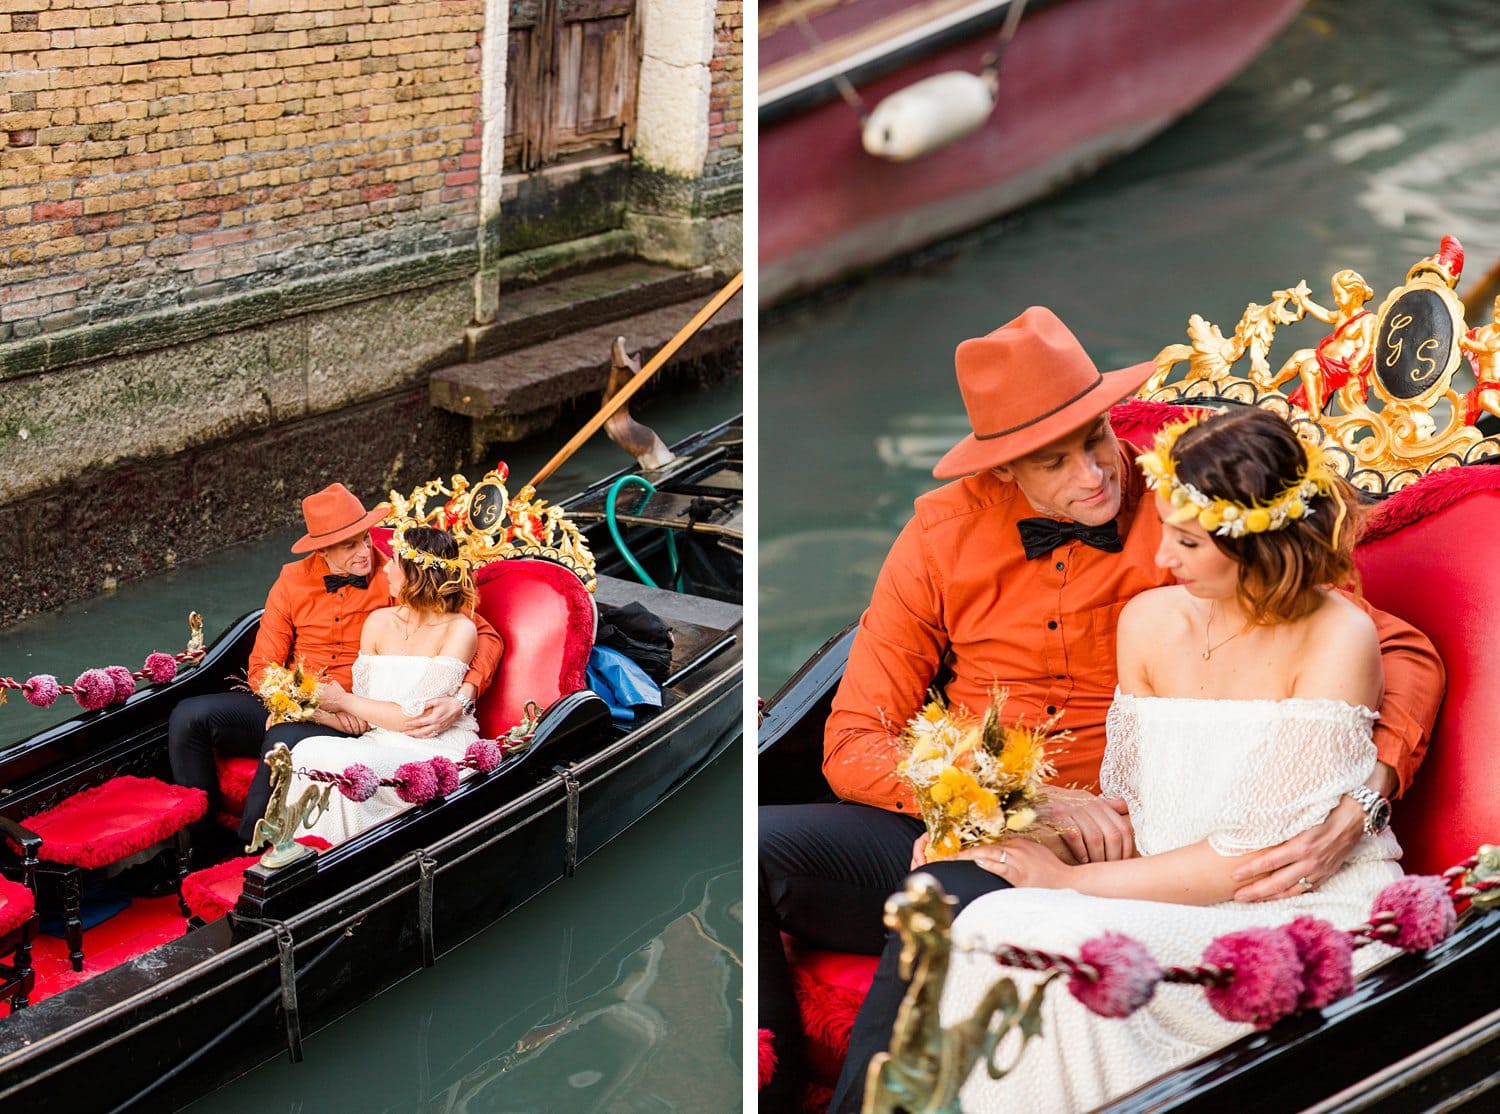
307, 943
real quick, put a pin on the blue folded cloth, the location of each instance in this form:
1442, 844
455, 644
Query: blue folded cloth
621, 683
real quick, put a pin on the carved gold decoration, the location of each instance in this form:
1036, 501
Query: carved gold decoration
279, 825
491, 525
1485, 870
1377, 390
195, 629
927, 1063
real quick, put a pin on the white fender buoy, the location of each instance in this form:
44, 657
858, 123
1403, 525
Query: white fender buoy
927, 115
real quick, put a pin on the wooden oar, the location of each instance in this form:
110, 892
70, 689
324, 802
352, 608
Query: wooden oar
594, 424
1478, 299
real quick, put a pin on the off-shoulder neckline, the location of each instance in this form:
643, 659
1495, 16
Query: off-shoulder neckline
417, 657
1317, 701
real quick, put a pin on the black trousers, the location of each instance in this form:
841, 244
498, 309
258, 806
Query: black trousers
230, 723
825, 872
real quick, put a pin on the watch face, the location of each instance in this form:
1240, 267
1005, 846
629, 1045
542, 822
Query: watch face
1380, 817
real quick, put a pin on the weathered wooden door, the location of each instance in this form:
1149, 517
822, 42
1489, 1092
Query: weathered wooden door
570, 79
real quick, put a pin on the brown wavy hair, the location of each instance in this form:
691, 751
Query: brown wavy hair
1248, 454
435, 589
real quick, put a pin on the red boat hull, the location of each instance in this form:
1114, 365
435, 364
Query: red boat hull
1082, 82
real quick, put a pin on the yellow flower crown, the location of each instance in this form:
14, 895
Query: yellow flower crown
1230, 517
403, 548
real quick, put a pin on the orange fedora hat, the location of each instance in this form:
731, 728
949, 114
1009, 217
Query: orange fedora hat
1025, 385
333, 515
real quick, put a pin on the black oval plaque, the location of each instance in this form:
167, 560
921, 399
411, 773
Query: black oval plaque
1415, 344
487, 507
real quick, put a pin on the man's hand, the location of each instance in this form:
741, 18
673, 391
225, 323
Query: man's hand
347, 722
1094, 829
1312, 856
437, 715
919, 851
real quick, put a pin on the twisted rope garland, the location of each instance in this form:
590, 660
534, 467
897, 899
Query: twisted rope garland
99, 688
423, 780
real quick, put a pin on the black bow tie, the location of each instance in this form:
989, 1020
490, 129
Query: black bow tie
1041, 536
333, 583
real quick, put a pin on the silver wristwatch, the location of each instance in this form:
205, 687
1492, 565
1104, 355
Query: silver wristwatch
1377, 809
467, 704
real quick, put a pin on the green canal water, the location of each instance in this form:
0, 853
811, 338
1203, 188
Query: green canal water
1364, 133
618, 989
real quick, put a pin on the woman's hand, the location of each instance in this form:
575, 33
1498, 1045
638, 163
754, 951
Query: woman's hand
919, 851
330, 696
1021, 862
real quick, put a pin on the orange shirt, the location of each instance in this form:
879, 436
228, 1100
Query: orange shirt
304, 621
956, 590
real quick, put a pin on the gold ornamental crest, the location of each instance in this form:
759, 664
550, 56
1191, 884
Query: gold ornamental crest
1377, 390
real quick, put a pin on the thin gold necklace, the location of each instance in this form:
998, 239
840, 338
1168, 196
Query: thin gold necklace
1208, 650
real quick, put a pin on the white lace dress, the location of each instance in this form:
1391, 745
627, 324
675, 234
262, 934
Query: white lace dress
410, 682
1243, 774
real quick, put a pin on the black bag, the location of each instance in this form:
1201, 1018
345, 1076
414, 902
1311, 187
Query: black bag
638, 634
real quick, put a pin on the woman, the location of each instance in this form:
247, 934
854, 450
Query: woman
408, 654
1242, 716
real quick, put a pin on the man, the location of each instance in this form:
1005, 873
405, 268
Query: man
1014, 575
315, 614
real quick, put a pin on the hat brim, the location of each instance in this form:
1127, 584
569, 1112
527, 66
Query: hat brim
306, 543
975, 455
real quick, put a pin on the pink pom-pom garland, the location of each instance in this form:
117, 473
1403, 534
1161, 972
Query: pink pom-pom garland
1264, 980
359, 782
1413, 913
1327, 956
41, 690
766, 1055
445, 774
416, 782
123, 681
160, 667
1124, 975
93, 690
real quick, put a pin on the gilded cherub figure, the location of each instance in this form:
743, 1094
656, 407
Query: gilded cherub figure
1342, 359
1481, 345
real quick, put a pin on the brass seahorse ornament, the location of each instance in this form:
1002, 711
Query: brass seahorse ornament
279, 825
928, 1063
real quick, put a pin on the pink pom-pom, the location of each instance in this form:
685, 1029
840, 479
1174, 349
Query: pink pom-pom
160, 667
483, 755
1127, 975
124, 683
766, 1054
41, 690
445, 770
1267, 979
1423, 910
93, 690
360, 782
1327, 956
418, 780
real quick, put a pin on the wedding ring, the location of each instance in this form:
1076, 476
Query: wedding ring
1305, 882
1002, 856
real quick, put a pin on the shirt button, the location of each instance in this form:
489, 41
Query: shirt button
1059, 677
1060, 566
1051, 624
1051, 709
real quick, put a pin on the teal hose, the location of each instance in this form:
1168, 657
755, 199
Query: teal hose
614, 532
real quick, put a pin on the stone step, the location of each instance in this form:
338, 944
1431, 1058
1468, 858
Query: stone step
550, 309
519, 393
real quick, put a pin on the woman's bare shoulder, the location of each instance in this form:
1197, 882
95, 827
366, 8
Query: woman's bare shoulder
1153, 606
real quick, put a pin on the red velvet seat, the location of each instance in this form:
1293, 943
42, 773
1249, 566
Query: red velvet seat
18, 921
209, 893
1424, 556
107, 825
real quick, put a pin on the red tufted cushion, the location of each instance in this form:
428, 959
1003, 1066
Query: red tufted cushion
112, 821
545, 616
235, 772
1427, 557
17, 903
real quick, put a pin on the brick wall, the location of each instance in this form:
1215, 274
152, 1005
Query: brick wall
154, 155
726, 97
